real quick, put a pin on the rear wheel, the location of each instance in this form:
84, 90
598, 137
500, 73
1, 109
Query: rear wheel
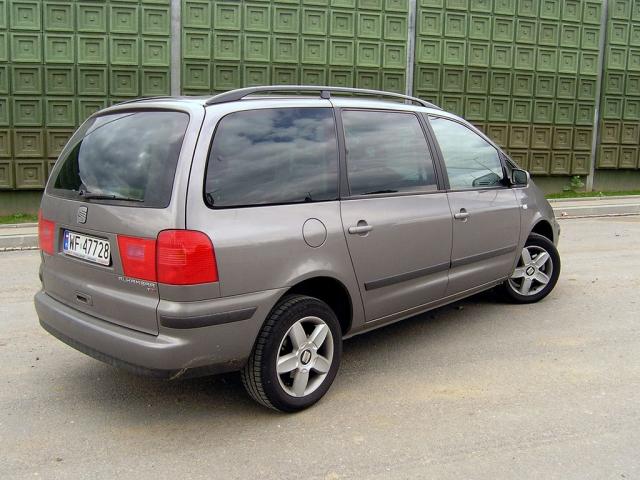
296, 356
537, 271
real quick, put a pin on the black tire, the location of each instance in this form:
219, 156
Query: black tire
260, 377
508, 290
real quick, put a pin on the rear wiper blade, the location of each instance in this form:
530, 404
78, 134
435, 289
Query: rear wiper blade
100, 196
380, 191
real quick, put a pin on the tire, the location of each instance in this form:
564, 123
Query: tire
287, 339
533, 273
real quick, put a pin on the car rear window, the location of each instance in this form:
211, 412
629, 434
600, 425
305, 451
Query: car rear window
126, 157
273, 156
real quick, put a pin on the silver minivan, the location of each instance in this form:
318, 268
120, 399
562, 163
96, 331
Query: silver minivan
256, 229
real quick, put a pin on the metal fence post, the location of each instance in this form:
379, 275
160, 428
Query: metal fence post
596, 115
411, 47
176, 53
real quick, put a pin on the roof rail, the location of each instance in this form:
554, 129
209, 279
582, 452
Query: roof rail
140, 99
325, 92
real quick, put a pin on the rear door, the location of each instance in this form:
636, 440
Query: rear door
269, 172
112, 191
395, 217
486, 212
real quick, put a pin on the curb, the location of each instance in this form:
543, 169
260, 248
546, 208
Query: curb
17, 249
18, 225
18, 242
604, 211
598, 206
18, 236
593, 199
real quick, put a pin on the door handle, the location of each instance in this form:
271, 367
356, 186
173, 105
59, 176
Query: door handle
461, 215
361, 229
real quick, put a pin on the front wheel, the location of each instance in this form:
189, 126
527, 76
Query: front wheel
537, 271
296, 356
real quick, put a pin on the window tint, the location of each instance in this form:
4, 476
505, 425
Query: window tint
386, 153
271, 156
470, 160
126, 155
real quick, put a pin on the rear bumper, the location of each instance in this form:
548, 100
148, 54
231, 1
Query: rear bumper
189, 350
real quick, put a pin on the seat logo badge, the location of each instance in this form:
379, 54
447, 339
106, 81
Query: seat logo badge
82, 214
306, 356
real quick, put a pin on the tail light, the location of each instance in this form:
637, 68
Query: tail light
46, 234
138, 257
177, 257
185, 257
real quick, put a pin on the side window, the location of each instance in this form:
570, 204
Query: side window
386, 153
470, 160
273, 156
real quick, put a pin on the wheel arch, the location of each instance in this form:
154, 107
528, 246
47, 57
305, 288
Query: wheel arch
544, 228
331, 291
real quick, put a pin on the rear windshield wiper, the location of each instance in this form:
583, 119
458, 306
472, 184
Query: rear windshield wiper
380, 191
100, 196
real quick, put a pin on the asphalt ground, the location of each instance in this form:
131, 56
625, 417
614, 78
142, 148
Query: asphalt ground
479, 389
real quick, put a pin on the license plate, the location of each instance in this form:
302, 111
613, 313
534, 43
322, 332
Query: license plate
93, 249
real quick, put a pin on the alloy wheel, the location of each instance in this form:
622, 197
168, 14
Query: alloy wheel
533, 272
305, 356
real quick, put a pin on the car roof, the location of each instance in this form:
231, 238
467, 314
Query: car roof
295, 95
363, 98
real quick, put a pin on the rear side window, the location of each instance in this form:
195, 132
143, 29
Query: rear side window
386, 153
126, 157
470, 160
273, 156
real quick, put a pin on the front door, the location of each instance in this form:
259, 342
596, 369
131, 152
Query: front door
486, 212
396, 220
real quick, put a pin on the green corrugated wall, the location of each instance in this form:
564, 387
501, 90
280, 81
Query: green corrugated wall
525, 71
227, 45
61, 61
620, 117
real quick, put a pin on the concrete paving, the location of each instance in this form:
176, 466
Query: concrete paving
478, 390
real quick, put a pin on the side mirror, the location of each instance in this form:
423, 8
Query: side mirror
520, 178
